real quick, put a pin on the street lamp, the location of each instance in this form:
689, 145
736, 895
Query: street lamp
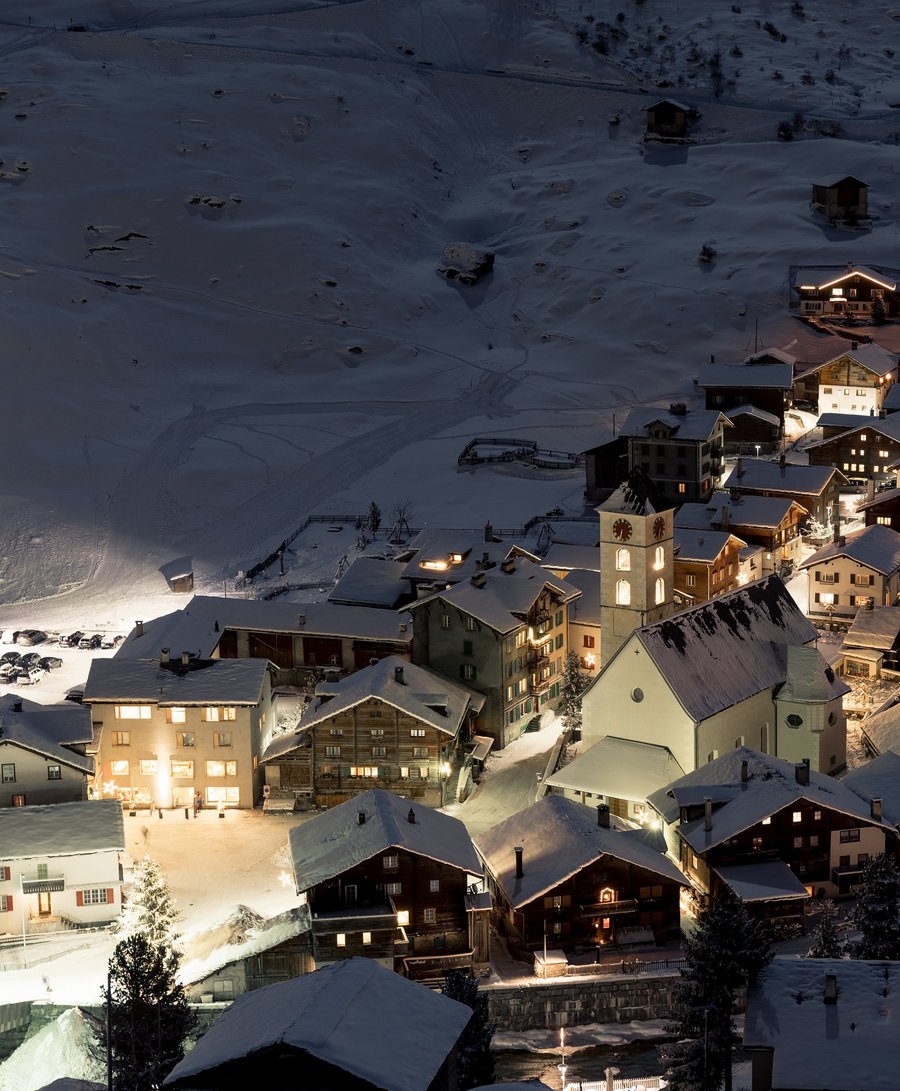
445, 773
756, 445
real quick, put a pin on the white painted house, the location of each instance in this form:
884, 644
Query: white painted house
59, 864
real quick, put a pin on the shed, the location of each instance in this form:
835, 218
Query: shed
667, 118
845, 199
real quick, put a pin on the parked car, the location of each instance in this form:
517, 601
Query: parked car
112, 641
30, 677
30, 636
50, 662
10, 657
75, 693
93, 641
29, 660
71, 641
8, 671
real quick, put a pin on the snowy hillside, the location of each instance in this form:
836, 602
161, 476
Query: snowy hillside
222, 222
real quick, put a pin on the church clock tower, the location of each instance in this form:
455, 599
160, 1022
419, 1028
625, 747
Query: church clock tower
636, 563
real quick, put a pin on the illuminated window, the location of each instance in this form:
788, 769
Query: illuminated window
184, 738
341, 939
660, 591
182, 768
417, 732
133, 712
176, 715
366, 938
119, 768
429, 916
223, 795
214, 713
221, 768
623, 560
403, 917
682, 488
121, 738
623, 593
149, 767
767, 821
659, 558
404, 772
797, 816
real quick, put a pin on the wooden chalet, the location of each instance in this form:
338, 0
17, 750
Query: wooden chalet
392, 881
824, 291
575, 877
855, 382
817, 488
843, 201
768, 386
752, 430
856, 570
883, 509
771, 522
868, 448
667, 119
707, 563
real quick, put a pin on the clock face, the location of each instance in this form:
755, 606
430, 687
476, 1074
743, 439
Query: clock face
659, 527
622, 529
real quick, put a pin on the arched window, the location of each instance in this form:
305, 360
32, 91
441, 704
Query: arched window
659, 558
660, 591
623, 593
623, 560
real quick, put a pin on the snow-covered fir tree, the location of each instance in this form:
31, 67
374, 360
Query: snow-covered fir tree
827, 943
148, 905
726, 952
877, 911
571, 691
373, 518
475, 1062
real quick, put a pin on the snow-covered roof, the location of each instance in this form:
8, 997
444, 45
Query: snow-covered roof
771, 880
559, 838
199, 626
884, 426
355, 1015
752, 411
270, 933
703, 546
48, 730
212, 681
503, 599
775, 354
416, 691
758, 473
873, 357
695, 424
886, 497
755, 376
823, 276
667, 102
821, 1046
727, 649
878, 779
61, 829
581, 558
882, 729
619, 769
771, 786
585, 610
876, 547
746, 510
892, 399
371, 582
331, 842
875, 628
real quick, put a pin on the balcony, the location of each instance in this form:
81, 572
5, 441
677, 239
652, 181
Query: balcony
537, 659
609, 909
53, 884
539, 686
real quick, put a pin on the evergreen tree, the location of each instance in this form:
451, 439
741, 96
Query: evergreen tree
726, 952
148, 1014
571, 690
826, 941
877, 912
879, 317
373, 518
475, 1062
149, 906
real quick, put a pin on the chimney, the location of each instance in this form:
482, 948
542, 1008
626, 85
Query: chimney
603, 816
712, 358
139, 628
163, 656
301, 620
411, 816
185, 659
854, 345
216, 626
739, 468
17, 707
508, 565
360, 818
782, 460
849, 266
479, 579
520, 871
801, 771
488, 532
830, 994
842, 541
398, 676
875, 807
836, 531
745, 771
707, 813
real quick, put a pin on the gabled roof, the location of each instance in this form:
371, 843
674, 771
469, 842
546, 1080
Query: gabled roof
695, 424
214, 682
504, 598
453, 555
61, 829
771, 787
889, 496
775, 354
637, 495
878, 779
884, 426
48, 730
727, 649
619, 769
873, 357
882, 729
771, 880
415, 691
559, 838
331, 842
355, 1015
581, 558
825, 276
819, 1046
791, 478
876, 547
747, 510
372, 582
752, 411
702, 546
875, 628
841, 181
750, 377
667, 102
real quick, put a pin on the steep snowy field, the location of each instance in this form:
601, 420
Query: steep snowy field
222, 223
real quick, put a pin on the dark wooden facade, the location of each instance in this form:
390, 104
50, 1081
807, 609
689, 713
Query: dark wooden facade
846, 199
883, 509
667, 119
749, 432
866, 451
852, 293
605, 468
305, 652
700, 580
362, 912
587, 909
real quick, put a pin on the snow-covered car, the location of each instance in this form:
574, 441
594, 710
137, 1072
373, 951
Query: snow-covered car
8, 671
92, 641
9, 657
29, 660
71, 641
50, 662
30, 677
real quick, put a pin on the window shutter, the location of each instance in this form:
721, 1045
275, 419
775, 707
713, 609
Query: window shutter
818, 575
4, 873
110, 896
79, 897
9, 901
853, 577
